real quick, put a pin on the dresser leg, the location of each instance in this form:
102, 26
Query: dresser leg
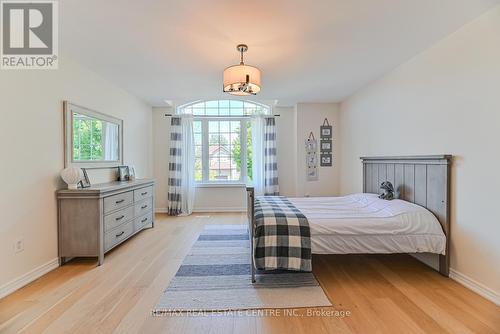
62, 260
100, 260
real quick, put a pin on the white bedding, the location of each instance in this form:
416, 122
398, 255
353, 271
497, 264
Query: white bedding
363, 223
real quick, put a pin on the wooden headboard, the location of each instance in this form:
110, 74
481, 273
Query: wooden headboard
423, 180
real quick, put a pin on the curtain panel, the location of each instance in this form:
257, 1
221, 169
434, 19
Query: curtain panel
264, 156
181, 166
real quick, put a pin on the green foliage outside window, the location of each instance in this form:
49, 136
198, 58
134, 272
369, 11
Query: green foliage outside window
236, 152
87, 139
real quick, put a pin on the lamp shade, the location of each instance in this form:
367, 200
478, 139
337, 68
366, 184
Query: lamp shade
242, 80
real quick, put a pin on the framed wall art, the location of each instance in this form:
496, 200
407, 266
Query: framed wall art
326, 144
311, 158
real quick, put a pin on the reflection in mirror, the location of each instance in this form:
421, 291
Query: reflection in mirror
94, 139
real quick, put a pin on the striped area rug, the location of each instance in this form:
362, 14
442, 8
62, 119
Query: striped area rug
215, 276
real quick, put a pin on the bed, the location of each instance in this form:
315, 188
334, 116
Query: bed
417, 222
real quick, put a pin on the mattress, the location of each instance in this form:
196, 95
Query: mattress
363, 223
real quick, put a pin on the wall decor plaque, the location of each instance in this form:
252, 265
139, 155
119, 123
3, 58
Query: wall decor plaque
326, 144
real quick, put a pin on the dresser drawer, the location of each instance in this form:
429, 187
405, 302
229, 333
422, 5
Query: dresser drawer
143, 207
143, 193
112, 220
118, 234
140, 222
118, 201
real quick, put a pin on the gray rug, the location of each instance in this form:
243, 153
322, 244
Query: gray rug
215, 276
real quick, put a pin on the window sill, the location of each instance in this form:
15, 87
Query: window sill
221, 185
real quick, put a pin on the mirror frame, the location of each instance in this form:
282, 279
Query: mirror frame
68, 109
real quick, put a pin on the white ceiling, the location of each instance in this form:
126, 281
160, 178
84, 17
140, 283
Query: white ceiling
308, 51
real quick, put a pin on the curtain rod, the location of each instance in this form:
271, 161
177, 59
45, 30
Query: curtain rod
238, 116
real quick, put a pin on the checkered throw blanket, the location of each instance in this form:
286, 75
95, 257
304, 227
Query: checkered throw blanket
282, 239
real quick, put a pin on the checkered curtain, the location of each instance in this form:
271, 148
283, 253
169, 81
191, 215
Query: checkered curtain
181, 166
271, 187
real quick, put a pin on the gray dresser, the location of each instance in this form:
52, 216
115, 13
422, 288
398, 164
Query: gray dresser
93, 220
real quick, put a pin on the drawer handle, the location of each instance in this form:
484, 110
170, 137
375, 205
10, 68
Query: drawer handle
120, 201
144, 220
119, 234
120, 218
144, 206
144, 193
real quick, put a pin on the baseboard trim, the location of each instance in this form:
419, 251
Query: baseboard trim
475, 286
29, 277
211, 209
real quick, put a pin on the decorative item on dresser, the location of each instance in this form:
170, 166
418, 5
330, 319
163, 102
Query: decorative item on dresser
72, 176
93, 220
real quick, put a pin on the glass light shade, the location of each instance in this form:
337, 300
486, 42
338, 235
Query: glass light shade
235, 80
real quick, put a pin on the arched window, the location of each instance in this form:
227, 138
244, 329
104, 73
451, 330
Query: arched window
222, 139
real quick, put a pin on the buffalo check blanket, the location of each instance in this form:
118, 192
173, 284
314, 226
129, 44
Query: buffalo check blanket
282, 239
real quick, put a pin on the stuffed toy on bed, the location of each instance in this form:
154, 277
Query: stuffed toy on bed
388, 191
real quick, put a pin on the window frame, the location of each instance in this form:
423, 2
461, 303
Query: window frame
244, 119
205, 159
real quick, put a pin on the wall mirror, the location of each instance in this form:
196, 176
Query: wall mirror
92, 139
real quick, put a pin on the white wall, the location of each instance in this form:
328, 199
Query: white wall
161, 144
31, 143
286, 143
310, 117
445, 100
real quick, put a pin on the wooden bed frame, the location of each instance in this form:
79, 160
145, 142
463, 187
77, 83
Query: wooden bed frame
423, 180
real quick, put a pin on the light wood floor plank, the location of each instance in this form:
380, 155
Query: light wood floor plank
384, 294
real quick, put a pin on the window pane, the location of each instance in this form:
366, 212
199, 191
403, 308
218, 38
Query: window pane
198, 151
224, 126
212, 104
235, 126
223, 152
236, 104
224, 111
198, 111
198, 171
197, 126
212, 112
249, 151
213, 126
225, 108
237, 112
213, 141
249, 110
197, 138
224, 139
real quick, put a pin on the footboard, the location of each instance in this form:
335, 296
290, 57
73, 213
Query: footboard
251, 226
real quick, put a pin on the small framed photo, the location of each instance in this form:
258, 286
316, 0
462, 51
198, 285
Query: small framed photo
131, 173
326, 131
310, 146
326, 146
326, 160
85, 182
122, 173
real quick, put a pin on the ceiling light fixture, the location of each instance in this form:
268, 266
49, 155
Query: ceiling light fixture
242, 79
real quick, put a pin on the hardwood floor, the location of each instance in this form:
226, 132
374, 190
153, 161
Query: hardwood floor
383, 294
